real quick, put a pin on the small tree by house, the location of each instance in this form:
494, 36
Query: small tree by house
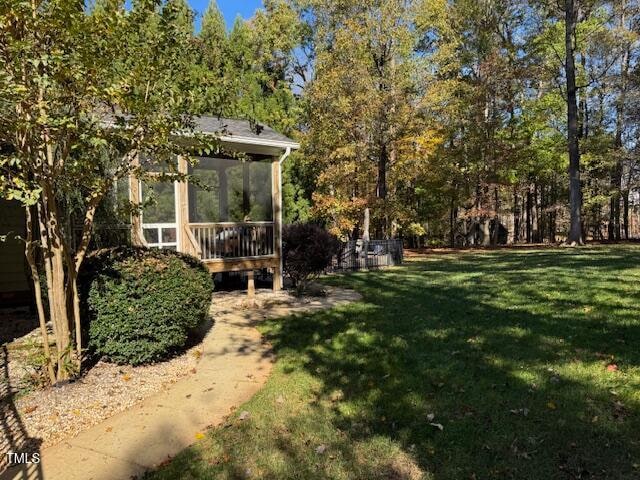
83, 94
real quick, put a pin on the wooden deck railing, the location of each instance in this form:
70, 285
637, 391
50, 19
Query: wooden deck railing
219, 241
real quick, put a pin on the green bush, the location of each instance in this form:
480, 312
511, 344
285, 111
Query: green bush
142, 303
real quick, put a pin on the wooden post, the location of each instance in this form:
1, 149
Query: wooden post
137, 236
183, 211
276, 200
251, 285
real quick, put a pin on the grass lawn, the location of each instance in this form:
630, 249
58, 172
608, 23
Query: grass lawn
456, 366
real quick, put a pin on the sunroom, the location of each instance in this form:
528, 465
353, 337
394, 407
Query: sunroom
230, 216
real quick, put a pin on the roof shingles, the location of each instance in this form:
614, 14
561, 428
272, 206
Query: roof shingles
239, 128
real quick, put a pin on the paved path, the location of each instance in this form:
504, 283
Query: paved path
234, 365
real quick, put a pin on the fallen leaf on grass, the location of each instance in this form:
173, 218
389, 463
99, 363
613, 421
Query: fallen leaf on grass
199, 436
619, 411
431, 416
612, 367
336, 396
244, 415
320, 449
552, 406
437, 425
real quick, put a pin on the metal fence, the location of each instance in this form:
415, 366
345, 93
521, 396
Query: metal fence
361, 255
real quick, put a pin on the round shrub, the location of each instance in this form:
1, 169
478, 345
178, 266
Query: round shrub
143, 303
307, 250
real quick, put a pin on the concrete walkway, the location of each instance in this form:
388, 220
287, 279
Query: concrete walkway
234, 365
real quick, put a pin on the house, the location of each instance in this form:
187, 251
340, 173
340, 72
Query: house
231, 217
14, 282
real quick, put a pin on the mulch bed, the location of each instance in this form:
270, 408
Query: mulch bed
54, 413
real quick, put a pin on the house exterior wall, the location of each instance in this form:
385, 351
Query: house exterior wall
14, 284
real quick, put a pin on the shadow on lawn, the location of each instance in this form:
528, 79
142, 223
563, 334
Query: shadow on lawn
614, 260
507, 352
508, 385
13, 435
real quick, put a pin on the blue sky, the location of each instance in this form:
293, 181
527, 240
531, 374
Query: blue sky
230, 9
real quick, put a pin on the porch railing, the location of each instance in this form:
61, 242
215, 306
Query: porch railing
233, 240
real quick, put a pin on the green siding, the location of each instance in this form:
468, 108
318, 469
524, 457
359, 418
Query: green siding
12, 263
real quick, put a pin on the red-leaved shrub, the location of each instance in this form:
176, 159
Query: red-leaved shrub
307, 251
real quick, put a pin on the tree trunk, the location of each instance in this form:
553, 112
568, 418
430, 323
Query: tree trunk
56, 282
516, 216
616, 177
535, 211
37, 289
381, 187
575, 191
452, 223
553, 214
496, 218
529, 216
625, 202
485, 232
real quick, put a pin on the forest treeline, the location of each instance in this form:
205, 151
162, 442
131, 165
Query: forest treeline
463, 122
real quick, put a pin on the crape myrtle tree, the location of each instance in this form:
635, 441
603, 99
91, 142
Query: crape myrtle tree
85, 90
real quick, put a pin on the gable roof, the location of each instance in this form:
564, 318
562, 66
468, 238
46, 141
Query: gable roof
243, 131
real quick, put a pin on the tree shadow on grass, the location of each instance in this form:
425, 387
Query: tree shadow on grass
482, 366
613, 260
515, 390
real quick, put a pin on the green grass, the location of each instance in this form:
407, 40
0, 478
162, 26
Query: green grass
508, 351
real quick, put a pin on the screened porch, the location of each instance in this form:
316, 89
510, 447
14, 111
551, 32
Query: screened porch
230, 207
226, 214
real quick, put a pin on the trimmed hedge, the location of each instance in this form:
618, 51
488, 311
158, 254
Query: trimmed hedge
143, 303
